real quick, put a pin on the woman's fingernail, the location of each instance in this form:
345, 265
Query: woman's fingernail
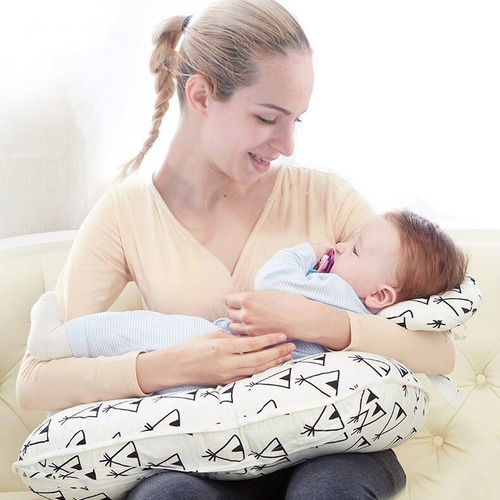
282, 336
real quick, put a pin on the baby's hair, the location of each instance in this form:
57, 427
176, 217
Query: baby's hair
224, 44
430, 262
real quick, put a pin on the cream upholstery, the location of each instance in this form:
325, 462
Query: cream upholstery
456, 456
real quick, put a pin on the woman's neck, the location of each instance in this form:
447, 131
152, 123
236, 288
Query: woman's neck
186, 177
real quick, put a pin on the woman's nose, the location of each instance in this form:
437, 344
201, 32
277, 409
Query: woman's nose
284, 140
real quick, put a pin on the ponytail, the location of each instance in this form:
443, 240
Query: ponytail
164, 63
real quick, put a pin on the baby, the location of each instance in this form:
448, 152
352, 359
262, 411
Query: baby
394, 257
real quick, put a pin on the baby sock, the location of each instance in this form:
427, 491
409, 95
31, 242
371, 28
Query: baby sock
47, 338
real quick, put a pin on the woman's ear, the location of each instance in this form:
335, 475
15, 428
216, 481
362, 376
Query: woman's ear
197, 93
384, 296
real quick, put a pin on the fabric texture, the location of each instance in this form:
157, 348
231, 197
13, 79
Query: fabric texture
438, 312
335, 402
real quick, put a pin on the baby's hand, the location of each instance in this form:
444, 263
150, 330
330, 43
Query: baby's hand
320, 248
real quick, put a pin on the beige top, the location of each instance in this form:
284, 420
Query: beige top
131, 235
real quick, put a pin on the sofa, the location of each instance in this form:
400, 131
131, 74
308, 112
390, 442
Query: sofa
456, 455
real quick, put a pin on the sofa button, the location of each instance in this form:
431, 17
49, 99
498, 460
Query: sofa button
480, 379
437, 441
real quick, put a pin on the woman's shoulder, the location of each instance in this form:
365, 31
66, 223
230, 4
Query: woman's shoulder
135, 187
123, 199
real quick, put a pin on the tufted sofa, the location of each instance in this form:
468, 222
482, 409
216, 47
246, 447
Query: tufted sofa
456, 456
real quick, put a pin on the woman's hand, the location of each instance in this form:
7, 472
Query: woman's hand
217, 358
260, 312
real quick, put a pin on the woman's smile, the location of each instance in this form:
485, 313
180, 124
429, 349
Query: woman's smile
262, 165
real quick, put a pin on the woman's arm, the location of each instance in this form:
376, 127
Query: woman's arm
259, 312
94, 275
61, 383
217, 358
422, 352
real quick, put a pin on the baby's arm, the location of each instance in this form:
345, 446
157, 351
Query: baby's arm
288, 270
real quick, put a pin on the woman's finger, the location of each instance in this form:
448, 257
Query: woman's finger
272, 363
254, 344
233, 300
256, 362
238, 328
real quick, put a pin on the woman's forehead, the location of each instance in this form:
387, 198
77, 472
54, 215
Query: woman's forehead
284, 82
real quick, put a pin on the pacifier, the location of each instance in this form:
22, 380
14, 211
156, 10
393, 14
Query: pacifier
325, 264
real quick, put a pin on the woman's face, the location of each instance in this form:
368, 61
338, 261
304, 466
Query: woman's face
256, 125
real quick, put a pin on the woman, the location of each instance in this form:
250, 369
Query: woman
194, 236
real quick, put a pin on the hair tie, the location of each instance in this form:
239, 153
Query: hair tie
185, 23
145, 149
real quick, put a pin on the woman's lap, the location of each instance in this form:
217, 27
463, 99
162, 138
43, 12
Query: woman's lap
344, 476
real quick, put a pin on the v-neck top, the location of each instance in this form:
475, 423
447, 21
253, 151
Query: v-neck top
131, 235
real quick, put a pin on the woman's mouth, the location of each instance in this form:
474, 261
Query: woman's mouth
261, 164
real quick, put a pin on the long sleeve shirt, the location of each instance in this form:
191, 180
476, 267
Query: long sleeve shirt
131, 235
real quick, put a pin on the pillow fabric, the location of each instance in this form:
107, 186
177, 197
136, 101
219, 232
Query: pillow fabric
327, 403
437, 312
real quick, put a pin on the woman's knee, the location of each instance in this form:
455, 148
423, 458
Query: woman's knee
347, 476
172, 486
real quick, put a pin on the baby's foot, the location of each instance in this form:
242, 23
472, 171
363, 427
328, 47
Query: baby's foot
47, 338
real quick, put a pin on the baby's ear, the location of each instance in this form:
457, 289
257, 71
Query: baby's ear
384, 296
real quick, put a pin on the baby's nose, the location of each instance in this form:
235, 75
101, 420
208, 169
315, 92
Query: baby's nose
339, 248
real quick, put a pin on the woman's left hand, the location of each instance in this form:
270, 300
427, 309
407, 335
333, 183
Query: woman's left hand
266, 311
259, 312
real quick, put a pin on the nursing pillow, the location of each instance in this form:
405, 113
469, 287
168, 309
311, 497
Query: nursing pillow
327, 403
332, 402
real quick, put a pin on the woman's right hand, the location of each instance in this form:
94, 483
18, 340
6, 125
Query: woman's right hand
217, 358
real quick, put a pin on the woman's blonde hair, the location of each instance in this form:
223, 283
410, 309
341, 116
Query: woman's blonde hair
224, 44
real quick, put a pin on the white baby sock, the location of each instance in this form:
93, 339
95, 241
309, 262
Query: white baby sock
47, 338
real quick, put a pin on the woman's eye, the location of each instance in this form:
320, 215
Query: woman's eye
355, 251
267, 122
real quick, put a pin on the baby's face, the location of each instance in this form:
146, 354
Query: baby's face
370, 258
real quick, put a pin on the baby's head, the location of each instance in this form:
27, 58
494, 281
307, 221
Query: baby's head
399, 256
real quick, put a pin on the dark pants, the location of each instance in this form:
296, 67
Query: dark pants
348, 476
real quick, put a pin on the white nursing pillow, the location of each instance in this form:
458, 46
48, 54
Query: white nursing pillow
327, 403
437, 312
